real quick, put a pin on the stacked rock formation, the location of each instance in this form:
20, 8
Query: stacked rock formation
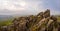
41, 22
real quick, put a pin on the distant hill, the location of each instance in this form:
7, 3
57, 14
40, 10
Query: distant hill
5, 17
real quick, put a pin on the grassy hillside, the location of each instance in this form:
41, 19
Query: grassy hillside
7, 22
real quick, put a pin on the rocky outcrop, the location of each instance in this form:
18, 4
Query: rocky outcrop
41, 22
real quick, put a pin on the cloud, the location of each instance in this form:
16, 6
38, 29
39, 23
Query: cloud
32, 6
14, 6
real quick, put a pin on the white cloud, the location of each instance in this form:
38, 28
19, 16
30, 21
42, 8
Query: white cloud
17, 6
22, 6
10, 5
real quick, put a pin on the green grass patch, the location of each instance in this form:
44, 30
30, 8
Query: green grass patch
5, 23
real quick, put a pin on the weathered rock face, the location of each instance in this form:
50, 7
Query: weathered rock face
41, 22
46, 13
40, 14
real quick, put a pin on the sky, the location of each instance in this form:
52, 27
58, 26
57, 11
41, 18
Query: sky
28, 7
